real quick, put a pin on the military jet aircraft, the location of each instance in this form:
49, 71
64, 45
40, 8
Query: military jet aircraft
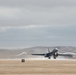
55, 54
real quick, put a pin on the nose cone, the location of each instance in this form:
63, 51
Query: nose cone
56, 48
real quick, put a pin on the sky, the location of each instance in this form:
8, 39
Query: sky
29, 23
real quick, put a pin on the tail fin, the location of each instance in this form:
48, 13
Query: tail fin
48, 50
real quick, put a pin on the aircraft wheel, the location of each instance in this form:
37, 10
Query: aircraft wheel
49, 57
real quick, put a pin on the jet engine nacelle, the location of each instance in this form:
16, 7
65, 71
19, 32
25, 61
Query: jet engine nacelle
55, 55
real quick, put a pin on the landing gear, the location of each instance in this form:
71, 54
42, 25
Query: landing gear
49, 57
54, 56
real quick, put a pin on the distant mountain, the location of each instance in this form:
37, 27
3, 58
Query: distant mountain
26, 52
41, 49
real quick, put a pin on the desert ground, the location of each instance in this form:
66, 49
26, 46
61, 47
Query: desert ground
38, 67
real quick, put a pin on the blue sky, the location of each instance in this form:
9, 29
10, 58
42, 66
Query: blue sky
34, 35
27, 23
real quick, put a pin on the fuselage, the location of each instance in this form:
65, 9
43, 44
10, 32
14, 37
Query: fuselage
51, 53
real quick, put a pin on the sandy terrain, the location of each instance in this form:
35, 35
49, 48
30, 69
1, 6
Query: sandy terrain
38, 67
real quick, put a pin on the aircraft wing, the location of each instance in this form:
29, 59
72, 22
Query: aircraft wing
65, 55
39, 54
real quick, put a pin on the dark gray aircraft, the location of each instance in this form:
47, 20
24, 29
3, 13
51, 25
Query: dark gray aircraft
55, 54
